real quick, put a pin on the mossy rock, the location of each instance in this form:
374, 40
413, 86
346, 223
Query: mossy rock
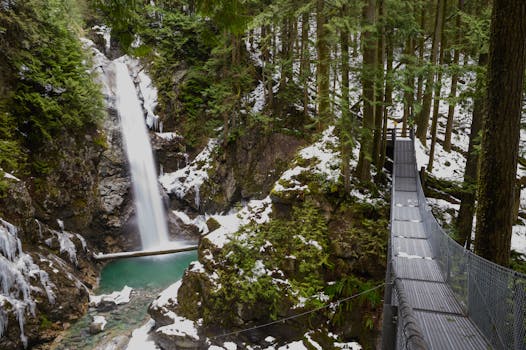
212, 224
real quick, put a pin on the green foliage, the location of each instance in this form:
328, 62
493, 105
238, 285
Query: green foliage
349, 286
49, 92
124, 18
45, 323
253, 266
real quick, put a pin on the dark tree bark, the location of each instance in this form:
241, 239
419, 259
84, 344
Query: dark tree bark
454, 82
438, 88
305, 61
346, 121
379, 90
423, 120
408, 90
501, 130
388, 100
322, 71
464, 223
363, 169
421, 50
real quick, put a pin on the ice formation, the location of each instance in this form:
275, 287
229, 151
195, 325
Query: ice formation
17, 270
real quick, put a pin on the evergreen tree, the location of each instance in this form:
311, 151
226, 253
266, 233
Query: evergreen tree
363, 170
501, 130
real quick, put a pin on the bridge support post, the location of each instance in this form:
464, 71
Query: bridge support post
389, 327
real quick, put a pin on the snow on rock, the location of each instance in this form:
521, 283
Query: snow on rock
106, 34
100, 63
139, 339
115, 298
192, 176
17, 273
169, 295
66, 244
257, 211
168, 136
181, 327
10, 176
325, 162
349, 346
98, 324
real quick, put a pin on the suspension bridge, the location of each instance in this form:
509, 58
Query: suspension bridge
439, 295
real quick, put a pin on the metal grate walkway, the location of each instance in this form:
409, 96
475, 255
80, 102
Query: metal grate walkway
440, 317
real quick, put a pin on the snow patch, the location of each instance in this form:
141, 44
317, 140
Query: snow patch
100, 320
139, 339
192, 176
181, 327
257, 211
117, 297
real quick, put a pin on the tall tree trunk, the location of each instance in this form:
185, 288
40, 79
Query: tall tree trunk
346, 121
363, 169
388, 100
305, 61
421, 131
322, 71
464, 223
421, 50
379, 90
454, 82
409, 86
501, 131
438, 89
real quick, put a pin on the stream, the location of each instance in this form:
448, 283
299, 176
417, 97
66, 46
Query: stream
147, 276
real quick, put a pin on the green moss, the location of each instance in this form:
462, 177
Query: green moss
212, 224
256, 254
45, 323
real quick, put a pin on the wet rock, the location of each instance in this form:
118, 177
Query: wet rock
170, 151
117, 343
98, 324
107, 302
169, 341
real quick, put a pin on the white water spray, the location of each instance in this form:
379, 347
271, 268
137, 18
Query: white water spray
150, 213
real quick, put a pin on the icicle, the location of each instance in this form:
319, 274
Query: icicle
17, 270
60, 224
39, 228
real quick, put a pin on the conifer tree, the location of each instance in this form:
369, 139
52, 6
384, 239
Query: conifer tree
363, 169
501, 130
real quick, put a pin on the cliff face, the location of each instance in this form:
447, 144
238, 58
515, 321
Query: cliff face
51, 225
48, 264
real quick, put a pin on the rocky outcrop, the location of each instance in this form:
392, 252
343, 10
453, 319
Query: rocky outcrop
248, 169
114, 188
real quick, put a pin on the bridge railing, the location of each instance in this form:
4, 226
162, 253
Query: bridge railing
493, 296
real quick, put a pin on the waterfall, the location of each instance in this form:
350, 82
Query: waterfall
149, 209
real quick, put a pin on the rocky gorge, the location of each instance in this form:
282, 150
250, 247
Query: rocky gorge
276, 237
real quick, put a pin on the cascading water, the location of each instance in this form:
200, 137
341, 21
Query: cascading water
149, 209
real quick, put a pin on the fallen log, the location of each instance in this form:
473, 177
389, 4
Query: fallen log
122, 255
